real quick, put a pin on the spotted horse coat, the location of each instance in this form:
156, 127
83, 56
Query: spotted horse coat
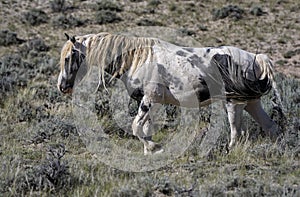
182, 76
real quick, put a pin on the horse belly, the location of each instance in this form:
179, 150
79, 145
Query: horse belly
192, 95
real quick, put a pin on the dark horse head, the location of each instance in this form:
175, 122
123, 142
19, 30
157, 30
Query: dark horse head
71, 60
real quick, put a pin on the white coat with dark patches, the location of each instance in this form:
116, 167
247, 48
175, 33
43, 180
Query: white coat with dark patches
155, 71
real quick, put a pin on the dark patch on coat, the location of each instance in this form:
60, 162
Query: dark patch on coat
145, 108
181, 53
191, 50
202, 90
137, 94
236, 84
168, 78
137, 82
208, 51
195, 60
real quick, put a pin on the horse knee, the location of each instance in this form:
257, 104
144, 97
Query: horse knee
141, 118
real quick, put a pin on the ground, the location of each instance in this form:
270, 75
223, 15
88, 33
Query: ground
42, 151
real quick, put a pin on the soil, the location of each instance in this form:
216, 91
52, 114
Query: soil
41, 152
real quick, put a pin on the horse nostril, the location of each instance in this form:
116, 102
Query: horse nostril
65, 88
61, 89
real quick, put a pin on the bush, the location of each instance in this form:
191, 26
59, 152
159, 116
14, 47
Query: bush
147, 22
257, 11
291, 53
37, 44
35, 17
154, 3
58, 5
9, 38
231, 11
50, 174
13, 72
53, 126
67, 21
107, 16
108, 5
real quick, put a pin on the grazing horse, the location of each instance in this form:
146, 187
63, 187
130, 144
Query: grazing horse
155, 71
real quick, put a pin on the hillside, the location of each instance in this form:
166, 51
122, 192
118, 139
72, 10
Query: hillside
42, 150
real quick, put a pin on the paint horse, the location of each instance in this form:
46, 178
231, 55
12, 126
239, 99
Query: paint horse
155, 71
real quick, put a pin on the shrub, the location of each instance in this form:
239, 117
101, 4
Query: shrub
108, 5
9, 38
291, 53
35, 17
154, 3
13, 72
50, 174
257, 11
147, 22
107, 16
37, 44
231, 11
58, 5
67, 21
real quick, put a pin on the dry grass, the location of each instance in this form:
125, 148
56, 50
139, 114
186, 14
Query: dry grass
42, 153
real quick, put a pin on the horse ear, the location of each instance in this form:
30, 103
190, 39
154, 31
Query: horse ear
73, 39
68, 37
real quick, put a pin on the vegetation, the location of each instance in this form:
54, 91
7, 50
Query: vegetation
43, 153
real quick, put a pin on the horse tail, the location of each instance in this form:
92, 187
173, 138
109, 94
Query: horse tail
267, 70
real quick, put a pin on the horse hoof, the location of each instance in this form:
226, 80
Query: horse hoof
153, 148
153, 152
159, 151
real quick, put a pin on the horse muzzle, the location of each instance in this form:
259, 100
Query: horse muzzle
65, 89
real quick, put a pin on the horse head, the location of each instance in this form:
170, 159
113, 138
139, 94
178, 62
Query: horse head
72, 59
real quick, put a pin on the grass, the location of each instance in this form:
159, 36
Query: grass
254, 167
36, 120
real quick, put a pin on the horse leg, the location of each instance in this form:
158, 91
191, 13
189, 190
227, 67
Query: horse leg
235, 112
142, 127
270, 128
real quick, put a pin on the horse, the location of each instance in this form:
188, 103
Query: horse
155, 71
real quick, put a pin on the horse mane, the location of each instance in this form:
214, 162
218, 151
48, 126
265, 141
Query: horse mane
64, 51
117, 54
